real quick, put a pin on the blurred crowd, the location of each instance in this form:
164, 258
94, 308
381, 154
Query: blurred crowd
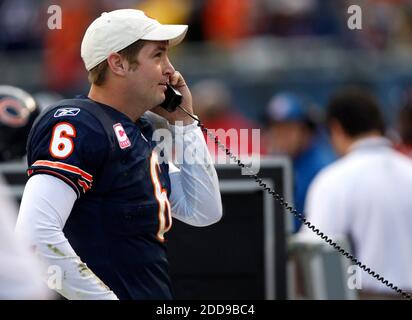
220, 23
223, 22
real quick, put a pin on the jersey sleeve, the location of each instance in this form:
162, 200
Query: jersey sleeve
71, 148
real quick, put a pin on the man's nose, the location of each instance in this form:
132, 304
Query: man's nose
168, 67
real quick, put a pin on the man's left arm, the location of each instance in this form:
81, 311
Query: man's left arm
195, 197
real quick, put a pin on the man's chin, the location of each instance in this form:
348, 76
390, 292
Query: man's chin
156, 104
160, 111
156, 107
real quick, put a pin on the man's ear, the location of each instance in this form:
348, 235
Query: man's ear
336, 128
339, 138
116, 64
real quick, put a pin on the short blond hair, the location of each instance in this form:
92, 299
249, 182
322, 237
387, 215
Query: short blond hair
97, 75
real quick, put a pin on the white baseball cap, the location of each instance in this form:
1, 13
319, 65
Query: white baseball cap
115, 30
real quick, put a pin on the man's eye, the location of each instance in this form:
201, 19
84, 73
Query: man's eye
158, 54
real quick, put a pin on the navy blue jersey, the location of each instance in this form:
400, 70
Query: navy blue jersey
118, 222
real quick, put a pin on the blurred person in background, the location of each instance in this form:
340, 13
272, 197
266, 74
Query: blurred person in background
365, 195
292, 130
221, 24
167, 11
216, 111
63, 68
297, 18
20, 25
405, 129
20, 275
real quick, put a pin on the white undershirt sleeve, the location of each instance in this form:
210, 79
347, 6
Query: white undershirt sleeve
195, 197
45, 207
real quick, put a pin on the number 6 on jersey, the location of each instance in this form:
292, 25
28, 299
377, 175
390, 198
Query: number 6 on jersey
61, 144
164, 214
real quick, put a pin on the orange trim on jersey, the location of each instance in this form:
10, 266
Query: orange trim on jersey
65, 167
167, 210
159, 235
84, 185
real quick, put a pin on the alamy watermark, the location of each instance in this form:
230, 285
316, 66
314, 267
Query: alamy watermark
355, 20
354, 281
185, 148
55, 20
55, 277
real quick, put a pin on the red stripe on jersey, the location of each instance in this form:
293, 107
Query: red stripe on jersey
83, 185
65, 167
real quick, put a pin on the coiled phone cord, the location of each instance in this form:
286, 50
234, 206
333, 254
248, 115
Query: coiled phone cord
298, 215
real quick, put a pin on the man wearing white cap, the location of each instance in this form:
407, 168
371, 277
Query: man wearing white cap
94, 171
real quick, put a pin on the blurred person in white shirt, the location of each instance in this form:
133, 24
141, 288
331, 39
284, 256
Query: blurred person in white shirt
366, 194
404, 124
